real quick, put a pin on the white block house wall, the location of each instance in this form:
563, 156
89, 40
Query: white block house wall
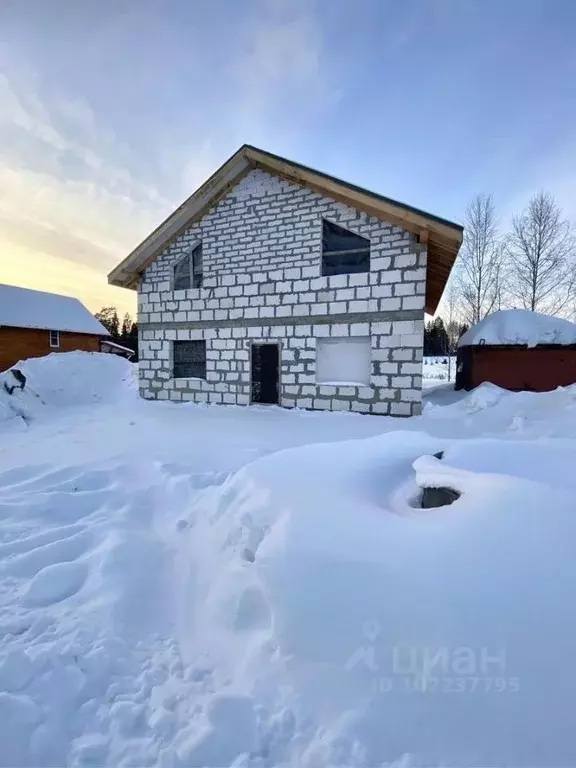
262, 281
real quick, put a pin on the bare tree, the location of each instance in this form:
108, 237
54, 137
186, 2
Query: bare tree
480, 262
452, 306
542, 257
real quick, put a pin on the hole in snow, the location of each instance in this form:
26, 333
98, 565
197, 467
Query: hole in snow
437, 497
248, 555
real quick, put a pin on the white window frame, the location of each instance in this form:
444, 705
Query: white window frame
54, 339
344, 379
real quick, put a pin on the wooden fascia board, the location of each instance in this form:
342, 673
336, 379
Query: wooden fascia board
193, 208
435, 235
355, 197
439, 236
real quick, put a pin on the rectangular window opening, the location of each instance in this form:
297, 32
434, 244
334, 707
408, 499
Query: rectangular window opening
344, 361
197, 266
343, 252
189, 359
54, 338
188, 272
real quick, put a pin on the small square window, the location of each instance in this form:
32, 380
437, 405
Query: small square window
343, 252
54, 338
189, 359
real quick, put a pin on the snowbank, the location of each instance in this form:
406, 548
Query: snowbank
489, 409
520, 326
173, 609
302, 611
64, 380
393, 630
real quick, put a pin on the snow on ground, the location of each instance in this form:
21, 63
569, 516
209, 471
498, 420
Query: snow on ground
83, 379
437, 369
188, 585
520, 326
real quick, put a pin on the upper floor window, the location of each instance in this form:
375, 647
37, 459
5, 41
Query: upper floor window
54, 338
343, 251
188, 271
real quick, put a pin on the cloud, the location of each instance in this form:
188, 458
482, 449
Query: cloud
63, 196
274, 84
49, 273
280, 74
77, 192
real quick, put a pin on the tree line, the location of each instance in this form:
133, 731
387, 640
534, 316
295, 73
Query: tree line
123, 332
440, 338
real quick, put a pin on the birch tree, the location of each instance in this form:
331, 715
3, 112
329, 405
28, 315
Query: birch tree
452, 304
542, 257
480, 262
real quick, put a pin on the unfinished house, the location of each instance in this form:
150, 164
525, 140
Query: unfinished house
275, 283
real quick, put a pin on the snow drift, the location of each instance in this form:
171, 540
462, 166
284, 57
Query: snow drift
393, 630
63, 380
298, 610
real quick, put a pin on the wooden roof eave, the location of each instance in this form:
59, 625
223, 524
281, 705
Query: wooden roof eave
443, 238
127, 273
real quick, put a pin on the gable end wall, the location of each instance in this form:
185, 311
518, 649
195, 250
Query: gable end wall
262, 281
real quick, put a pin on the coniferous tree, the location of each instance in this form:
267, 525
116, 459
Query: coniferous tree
126, 329
108, 316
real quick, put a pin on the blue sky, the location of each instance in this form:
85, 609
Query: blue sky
113, 111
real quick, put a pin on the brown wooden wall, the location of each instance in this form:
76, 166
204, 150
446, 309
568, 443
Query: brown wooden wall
20, 343
539, 369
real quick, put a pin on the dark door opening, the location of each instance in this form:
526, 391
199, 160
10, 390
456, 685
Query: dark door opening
265, 382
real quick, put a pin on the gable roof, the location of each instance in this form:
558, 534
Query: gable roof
443, 237
24, 308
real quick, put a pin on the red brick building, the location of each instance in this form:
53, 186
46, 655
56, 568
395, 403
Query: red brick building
35, 323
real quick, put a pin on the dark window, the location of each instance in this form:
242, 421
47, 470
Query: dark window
189, 359
182, 274
188, 271
54, 338
197, 267
343, 251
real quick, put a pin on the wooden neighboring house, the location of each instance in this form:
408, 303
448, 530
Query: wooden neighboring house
518, 350
35, 323
276, 283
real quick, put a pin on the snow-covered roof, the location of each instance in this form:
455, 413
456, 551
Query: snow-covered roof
115, 345
24, 308
520, 327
